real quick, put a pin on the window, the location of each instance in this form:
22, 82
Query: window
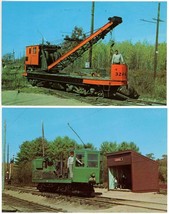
79, 160
92, 160
39, 164
34, 50
29, 50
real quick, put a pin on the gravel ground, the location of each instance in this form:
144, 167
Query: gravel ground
149, 196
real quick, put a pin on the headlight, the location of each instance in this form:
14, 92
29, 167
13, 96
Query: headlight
92, 175
92, 178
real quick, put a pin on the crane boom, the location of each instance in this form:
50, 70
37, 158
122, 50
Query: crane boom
77, 51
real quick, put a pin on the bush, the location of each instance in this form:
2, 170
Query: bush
146, 86
12, 76
22, 174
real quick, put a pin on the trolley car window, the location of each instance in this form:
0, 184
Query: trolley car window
80, 160
92, 160
39, 164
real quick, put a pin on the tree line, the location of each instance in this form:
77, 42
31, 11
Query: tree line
60, 147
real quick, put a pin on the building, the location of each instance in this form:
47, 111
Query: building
132, 171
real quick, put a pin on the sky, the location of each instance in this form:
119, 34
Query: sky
24, 23
146, 127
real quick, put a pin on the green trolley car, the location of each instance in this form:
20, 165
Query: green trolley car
57, 176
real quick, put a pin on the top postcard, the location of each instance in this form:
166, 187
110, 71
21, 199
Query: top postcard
84, 53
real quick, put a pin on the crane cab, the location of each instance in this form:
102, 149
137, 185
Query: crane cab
32, 55
38, 57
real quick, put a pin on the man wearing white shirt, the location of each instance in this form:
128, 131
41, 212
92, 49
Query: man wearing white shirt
117, 58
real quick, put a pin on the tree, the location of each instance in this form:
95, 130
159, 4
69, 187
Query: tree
76, 37
107, 147
151, 156
128, 146
163, 169
9, 57
30, 149
60, 147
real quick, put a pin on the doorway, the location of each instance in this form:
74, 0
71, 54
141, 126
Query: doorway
121, 174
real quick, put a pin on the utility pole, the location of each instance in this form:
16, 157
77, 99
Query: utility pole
8, 157
157, 22
91, 32
43, 143
4, 157
156, 44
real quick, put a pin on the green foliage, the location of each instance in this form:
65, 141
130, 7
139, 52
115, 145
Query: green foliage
30, 149
163, 169
70, 42
24, 173
12, 75
9, 57
60, 147
128, 146
107, 147
151, 156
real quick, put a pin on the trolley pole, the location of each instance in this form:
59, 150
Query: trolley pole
91, 32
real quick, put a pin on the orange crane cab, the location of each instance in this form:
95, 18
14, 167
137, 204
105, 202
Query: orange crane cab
32, 55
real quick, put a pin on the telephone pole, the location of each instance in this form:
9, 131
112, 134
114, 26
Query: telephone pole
91, 32
43, 143
4, 157
157, 22
156, 44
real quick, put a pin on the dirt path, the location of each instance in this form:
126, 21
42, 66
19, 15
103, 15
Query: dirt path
13, 98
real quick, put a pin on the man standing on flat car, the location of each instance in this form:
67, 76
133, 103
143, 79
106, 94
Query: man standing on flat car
117, 58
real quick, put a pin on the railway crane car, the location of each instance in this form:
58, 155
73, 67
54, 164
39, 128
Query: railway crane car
44, 66
53, 176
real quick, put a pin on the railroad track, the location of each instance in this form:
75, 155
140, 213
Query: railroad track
99, 101
134, 203
146, 102
21, 205
99, 202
